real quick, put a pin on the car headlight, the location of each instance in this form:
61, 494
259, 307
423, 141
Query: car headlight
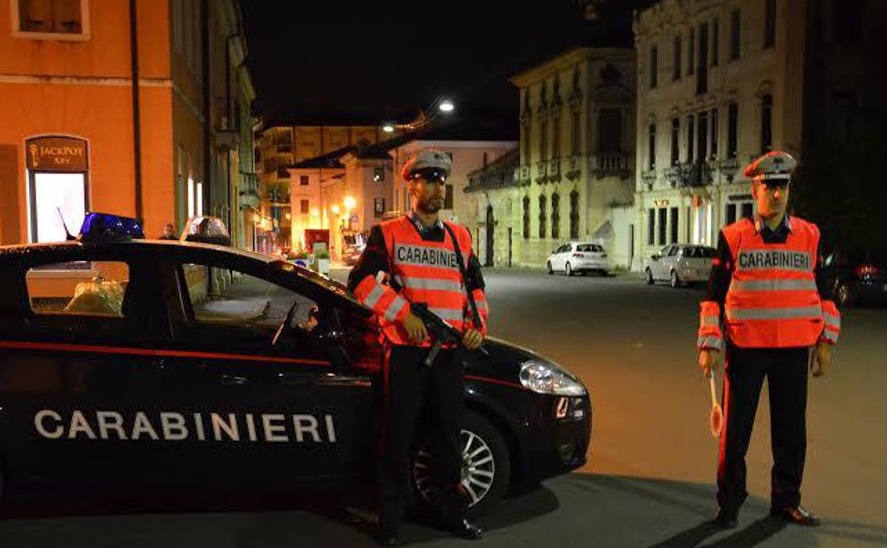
549, 378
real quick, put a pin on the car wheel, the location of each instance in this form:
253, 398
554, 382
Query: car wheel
843, 294
648, 277
569, 270
675, 281
486, 466
550, 270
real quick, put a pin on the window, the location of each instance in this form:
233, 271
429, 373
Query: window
654, 66
732, 129
542, 216
378, 206
58, 200
702, 74
673, 224
676, 68
769, 23
610, 130
51, 16
675, 140
303, 180
766, 122
651, 148
663, 219
255, 307
87, 288
575, 116
651, 226
574, 215
691, 141
543, 139
691, 51
556, 138
448, 197
526, 217
526, 143
714, 132
748, 210
735, 38
715, 41
843, 111
555, 215
731, 213
847, 21
304, 207
702, 135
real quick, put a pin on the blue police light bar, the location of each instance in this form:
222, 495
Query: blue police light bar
105, 227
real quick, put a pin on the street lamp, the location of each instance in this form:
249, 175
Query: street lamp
439, 105
335, 209
350, 202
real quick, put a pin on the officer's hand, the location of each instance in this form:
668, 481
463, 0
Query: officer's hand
472, 339
709, 360
822, 359
415, 327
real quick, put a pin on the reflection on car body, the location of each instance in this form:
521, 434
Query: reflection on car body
218, 360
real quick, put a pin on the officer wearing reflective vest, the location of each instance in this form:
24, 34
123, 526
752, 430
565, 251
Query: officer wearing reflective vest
418, 254
768, 305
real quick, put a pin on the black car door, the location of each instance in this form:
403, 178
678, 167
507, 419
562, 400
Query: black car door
79, 373
268, 405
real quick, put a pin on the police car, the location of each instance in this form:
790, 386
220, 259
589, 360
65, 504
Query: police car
151, 364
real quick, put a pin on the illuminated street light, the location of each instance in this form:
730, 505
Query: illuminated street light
335, 209
350, 202
445, 106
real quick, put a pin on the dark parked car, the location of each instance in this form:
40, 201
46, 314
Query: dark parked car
857, 277
147, 365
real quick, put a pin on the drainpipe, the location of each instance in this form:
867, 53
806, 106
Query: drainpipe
229, 122
136, 108
207, 109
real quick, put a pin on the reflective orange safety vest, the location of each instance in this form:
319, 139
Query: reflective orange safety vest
428, 272
773, 301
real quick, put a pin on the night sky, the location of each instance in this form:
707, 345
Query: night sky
365, 62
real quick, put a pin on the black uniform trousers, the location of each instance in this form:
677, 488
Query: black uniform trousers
414, 390
786, 372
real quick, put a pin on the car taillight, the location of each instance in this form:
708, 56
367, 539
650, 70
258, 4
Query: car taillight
578, 255
866, 270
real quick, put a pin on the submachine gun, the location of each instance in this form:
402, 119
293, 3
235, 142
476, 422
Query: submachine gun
441, 332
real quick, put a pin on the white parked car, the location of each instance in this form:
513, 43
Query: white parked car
578, 257
680, 264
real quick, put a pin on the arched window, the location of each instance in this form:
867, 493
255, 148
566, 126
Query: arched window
574, 215
555, 215
542, 216
526, 217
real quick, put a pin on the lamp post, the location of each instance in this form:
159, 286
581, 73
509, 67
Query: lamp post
439, 106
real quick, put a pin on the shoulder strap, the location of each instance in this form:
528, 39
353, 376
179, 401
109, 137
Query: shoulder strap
464, 272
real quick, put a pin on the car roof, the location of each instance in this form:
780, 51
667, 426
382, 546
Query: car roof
19, 253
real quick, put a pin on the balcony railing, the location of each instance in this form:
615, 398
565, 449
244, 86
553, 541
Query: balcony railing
522, 174
610, 164
554, 170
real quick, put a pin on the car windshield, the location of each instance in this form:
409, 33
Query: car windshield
589, 247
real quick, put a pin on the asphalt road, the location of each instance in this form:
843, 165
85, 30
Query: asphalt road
651, 471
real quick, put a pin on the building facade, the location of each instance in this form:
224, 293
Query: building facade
348, 190
281, 147
576, 158
719, 83
111, 109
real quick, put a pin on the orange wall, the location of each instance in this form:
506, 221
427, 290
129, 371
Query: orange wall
103, 116
106, 53
97, 109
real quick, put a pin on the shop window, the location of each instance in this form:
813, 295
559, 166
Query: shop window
58, 192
